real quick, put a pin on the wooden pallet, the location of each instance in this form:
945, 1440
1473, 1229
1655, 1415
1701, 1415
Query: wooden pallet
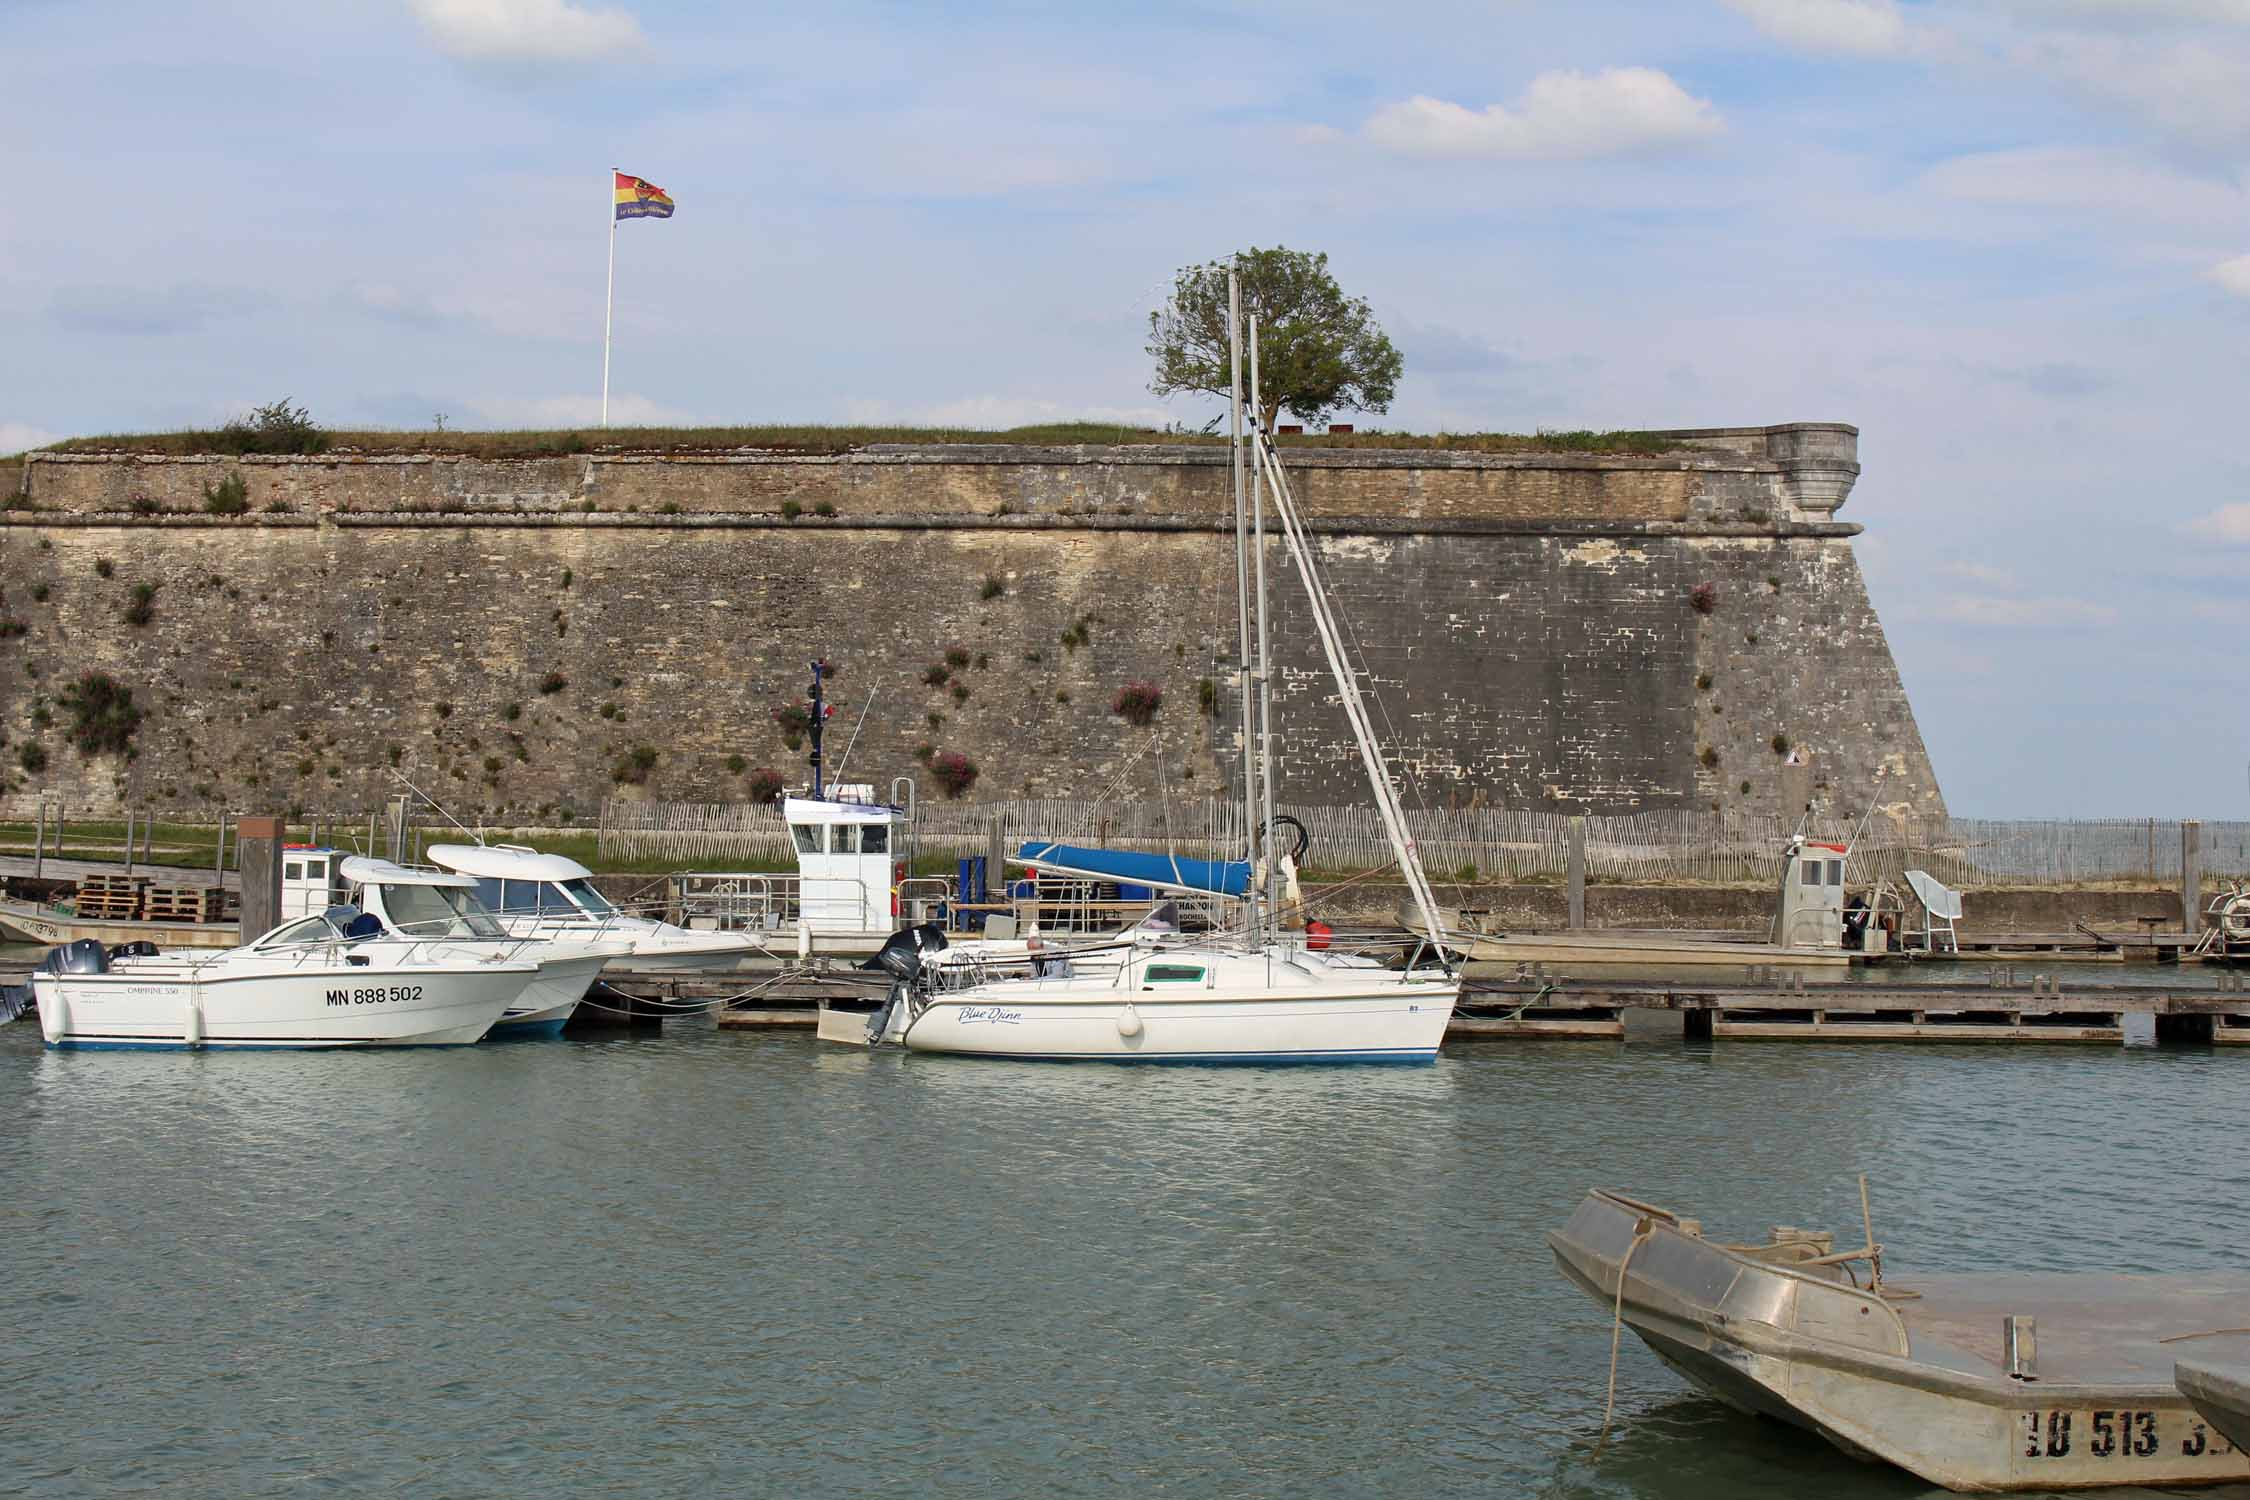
183, 904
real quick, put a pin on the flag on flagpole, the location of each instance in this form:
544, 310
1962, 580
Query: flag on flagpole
638, 199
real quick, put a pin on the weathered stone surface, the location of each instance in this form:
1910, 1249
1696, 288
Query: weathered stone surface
1527, 620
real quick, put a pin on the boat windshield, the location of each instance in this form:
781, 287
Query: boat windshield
303, 930
439, 911
582, 891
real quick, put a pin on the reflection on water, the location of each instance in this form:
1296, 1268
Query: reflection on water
722, 1262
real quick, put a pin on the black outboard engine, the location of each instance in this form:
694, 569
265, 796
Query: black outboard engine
84, 956
901, 958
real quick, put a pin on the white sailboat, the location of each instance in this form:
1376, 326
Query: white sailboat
1268, 994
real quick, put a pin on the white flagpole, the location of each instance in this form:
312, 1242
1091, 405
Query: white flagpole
609, 300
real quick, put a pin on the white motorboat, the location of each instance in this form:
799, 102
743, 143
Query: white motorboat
547, 896
441, 907
308, 983
1269, 994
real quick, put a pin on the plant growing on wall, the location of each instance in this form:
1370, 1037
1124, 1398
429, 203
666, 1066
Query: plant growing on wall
955, 773
993, 587
104, 718
32, 757
764, 785
1137, 702
553, 683
229, 497
276, 427
794, 720
1207, 698
141, 608
633, 766
936, 674
1703, 598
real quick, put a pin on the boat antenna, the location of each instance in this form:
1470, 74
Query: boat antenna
436, 806
856, 728
819, 717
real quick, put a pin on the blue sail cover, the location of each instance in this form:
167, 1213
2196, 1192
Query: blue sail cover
1163, 872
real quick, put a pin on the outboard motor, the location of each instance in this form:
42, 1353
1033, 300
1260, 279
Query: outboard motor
84, 956
901, 958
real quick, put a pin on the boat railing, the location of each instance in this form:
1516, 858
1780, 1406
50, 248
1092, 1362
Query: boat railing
746, 901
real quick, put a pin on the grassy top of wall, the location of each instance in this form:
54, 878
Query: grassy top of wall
824, 440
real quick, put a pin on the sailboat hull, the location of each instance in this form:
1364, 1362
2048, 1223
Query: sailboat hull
1390, 1023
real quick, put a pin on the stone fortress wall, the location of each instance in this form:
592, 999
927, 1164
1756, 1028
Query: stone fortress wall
510, 632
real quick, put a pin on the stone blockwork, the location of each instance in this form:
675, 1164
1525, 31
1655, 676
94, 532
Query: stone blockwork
509, 634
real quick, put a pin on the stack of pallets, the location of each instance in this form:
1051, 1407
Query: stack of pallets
111, 898
184, 903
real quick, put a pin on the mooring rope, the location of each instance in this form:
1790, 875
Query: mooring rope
1641, 1233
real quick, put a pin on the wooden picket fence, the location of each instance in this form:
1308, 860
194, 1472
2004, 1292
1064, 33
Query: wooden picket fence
1492, 844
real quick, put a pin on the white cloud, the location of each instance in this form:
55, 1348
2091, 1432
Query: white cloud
547, 412
1561, 116
15, 437
2026, 614
2188, 87
996, 413
2229, 524
1991, 577
2113, 181
1868, 27
527, 30
2233, 275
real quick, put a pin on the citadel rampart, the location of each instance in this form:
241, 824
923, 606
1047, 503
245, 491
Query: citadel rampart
1600, 632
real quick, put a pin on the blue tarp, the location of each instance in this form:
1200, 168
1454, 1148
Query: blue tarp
1158, 871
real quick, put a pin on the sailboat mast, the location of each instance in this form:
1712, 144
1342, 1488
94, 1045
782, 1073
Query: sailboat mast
1265, 639
1242, 584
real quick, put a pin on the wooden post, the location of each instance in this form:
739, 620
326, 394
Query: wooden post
128, 841
1575, 872
39, 845
219, 855
2191, 877
257, 847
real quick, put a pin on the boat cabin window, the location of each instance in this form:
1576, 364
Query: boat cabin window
519, 898
582, 890
875, 838
807, 836
1173, 974
438, 911
843, 838
292, 870
316, 869
1835, 872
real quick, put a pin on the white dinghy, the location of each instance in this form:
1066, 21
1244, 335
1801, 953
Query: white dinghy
1267, 994
308, 983
441, 907
549, 897
1974, 1382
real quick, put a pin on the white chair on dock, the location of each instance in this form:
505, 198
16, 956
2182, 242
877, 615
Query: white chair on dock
1941, 905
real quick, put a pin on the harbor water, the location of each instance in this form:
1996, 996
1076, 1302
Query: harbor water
722, 1262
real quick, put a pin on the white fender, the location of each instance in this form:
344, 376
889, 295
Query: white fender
54, 1013
804, 938
1129, 1022
193, 1033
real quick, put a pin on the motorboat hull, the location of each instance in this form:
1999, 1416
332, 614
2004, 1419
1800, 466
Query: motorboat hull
548, 1002
1913, 1375
173, 1007
1384, 1022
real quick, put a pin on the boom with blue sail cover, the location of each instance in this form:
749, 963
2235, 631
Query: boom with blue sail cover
1163, 872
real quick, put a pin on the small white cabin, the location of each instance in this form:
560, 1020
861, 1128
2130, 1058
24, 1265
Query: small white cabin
310, 880
1812, 895
851, 860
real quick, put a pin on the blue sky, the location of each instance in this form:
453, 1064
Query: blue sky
2010, 239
